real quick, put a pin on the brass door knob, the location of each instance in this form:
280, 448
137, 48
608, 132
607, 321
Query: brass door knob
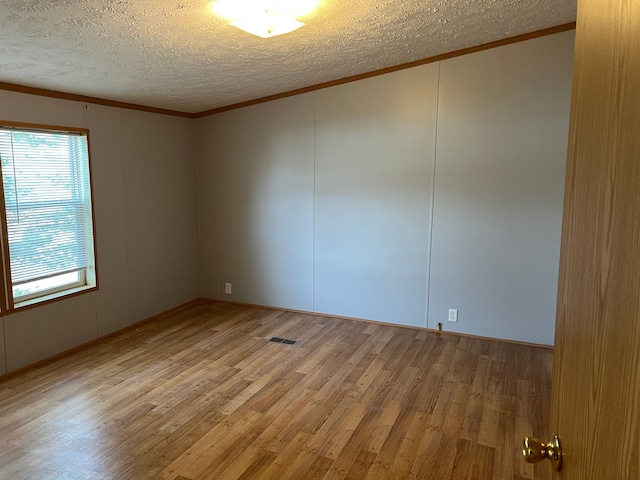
535, 451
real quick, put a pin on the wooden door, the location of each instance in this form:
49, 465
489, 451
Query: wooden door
596, 383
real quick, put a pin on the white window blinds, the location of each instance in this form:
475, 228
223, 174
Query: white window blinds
46, 182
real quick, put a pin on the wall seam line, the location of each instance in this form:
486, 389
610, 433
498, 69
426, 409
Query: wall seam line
195, 185
85, 107
124, 201
433, 194
216, 209
313, 253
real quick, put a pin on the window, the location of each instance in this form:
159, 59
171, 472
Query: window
47, 219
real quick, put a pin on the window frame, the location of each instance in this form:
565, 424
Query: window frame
88, 274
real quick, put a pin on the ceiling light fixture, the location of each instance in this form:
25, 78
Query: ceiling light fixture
265, 18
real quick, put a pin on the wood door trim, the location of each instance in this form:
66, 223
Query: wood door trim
596, 381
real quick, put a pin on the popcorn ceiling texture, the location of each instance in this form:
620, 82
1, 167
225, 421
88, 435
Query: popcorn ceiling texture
178, 55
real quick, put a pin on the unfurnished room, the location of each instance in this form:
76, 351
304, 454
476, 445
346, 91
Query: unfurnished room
320, 239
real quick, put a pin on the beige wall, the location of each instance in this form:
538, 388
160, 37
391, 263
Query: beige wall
206, 205
3, 358
398, 197
160, 201
375, 144
144, 198
108, 188
503, 127
263, 196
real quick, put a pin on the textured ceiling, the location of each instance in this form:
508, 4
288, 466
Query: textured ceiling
177, 55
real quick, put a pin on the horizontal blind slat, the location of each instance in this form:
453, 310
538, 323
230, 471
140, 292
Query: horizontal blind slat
47, 203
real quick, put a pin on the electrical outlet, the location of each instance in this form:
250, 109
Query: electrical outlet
453, 314
227, 288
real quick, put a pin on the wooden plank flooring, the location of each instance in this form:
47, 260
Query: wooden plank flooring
200, 394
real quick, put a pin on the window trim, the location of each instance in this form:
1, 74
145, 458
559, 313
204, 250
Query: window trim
83, 282
8, 304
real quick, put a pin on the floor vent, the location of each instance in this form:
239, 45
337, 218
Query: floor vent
286, 341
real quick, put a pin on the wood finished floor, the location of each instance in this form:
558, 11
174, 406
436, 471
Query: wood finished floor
201, 394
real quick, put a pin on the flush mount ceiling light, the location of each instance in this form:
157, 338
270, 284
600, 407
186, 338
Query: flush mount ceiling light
264, 18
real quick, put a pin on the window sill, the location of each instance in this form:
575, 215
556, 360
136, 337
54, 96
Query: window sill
52, 297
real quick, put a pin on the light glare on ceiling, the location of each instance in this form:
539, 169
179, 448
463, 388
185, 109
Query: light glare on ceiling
268, 27
265, 18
